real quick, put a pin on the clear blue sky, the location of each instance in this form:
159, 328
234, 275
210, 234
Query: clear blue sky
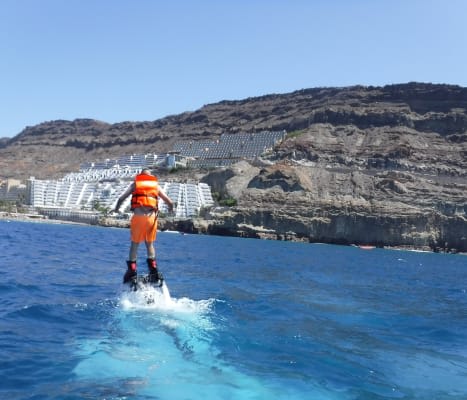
140, 60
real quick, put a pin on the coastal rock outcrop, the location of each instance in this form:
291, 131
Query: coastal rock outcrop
346, 207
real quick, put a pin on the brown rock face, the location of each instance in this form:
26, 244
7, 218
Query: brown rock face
346, 207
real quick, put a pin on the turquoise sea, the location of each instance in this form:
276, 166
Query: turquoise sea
242, 319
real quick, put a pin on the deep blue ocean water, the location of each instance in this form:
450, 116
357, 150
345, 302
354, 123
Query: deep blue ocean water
245, 319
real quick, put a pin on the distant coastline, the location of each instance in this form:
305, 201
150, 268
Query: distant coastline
358, 165
12, 216
167, 226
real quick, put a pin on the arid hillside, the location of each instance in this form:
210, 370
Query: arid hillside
358, 127
365, 165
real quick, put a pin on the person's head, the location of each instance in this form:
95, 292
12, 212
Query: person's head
147, 171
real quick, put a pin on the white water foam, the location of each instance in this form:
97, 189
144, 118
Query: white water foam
152, 298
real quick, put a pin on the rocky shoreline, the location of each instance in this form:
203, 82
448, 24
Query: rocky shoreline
206, 227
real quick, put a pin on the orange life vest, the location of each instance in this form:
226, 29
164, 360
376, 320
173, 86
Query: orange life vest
146, 192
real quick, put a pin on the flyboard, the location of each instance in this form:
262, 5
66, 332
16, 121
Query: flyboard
140, 282
151, 288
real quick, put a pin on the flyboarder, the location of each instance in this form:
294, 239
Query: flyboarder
145, 192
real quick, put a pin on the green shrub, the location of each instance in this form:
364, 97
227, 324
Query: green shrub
294, 134
229, 202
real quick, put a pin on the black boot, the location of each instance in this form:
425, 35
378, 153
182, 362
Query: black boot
154, 274
130, 274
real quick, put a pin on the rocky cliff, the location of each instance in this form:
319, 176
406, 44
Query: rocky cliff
372, 165
288, 201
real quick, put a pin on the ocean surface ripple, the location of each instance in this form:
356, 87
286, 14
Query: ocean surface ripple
238, 319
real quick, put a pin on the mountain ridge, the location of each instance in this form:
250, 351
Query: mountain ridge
423, 107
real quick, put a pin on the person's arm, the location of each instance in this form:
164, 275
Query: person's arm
122, 198
166, 199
